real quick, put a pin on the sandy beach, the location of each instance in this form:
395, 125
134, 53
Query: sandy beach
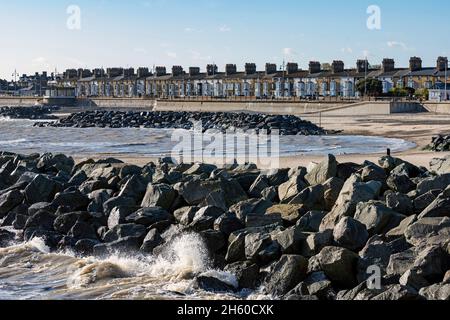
418, 128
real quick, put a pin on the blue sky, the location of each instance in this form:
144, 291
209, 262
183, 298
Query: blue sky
136, 33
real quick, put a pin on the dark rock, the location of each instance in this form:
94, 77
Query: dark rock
42, 220
257, 220
377, 218
117, 202
290, 240
214, 240
311, 221
152, 240
125, 244
9, 201
400, 183
351, 234
205, 217
149, 216
125, 231
339, 265
86, 246
247, 273
212, 284
41, 189
286, 274
63, 223
75, 200
400, 203
82, 230
227, 224
290, 213
160, 195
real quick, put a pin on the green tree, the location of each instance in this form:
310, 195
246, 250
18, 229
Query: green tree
373, 86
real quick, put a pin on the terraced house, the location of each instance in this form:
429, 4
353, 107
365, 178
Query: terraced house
287, 82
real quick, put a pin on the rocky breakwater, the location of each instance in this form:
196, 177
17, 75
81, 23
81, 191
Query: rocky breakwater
440, 143
32, 113
309, 234
286, 124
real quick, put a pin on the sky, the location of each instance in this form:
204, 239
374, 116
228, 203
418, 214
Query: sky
58, 34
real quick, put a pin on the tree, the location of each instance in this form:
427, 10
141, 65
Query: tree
373, 86
423, 93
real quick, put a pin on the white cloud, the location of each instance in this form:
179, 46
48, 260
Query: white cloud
289, 52
347, 50
198, 56
188, 29
39, 60
397, 44
172, 55
224, 28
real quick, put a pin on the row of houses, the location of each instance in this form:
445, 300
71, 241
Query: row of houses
290, 81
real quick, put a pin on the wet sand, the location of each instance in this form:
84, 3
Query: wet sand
418, 128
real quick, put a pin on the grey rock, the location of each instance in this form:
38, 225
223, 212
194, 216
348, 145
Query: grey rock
149, 216
152, 240
351, 234
377, 218
125, 230
9, 201
339, 265
400, 203
160, 195
323, 171
353, 192
287, 273
311, 221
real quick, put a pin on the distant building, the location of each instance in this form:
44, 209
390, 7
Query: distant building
439, 92
286, 82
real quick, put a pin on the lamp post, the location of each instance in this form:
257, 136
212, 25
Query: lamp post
15, 74
445, 76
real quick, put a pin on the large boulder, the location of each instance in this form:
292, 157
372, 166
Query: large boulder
289, 212
204, 218
63, 223
332, 189
311, 198
251, 206
400, 203
351, 234
291, 188
149, 216
434, 183
440, 207
353, 192
429, 231
160, 195
118, 215
247, 273
41, 189
152, 240
377, 218
400, 183
323, 171
436, 292
74, 200
286, 274
228, 223
125, 230
9, 201
260, 248
195, 191
310, 222
290, 240
339, 265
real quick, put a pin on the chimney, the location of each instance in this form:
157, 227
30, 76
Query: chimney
388, 65
177, 71
211, 69
314, 67
337, 66
114, 72
442, 63
292, 68
129, 72
362, 66
415, 64
193, 71
271, 68
250, 68
160, 71
230, 69
143, 72
99, 73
